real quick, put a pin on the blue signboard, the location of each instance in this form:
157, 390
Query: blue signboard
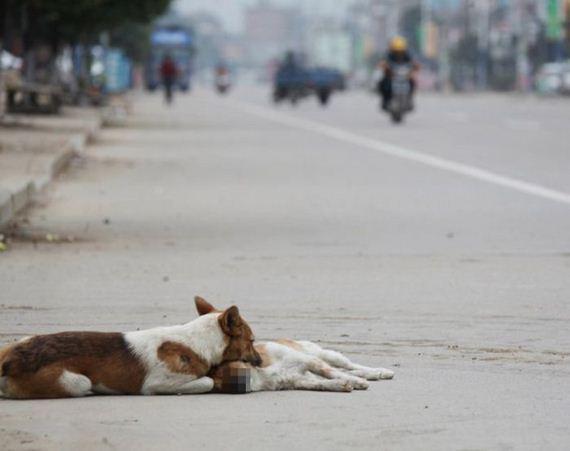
171, 38
117, 71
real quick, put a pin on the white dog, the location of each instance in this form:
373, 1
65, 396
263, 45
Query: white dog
292, 365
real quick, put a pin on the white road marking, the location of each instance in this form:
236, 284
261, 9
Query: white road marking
406, 154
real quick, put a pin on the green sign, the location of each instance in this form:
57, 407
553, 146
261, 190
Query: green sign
554, 20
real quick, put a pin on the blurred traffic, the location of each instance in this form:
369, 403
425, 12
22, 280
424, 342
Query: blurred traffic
53, 54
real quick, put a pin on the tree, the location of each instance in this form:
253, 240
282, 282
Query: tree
55, 23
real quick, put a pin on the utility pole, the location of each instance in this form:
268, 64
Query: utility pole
426, 11
443, 54
483, 30
520, 27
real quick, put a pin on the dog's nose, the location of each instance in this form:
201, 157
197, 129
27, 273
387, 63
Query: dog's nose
257, 360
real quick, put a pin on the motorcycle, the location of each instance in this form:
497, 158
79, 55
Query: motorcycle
223, 83
401, 101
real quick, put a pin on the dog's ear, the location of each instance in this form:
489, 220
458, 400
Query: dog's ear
230, 321
203, 306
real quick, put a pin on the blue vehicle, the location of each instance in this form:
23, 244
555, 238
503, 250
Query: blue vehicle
324, 81
291, 80
177, 42
294, 81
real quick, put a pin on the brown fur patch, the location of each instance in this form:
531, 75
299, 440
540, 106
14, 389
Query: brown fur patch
41, 384
33, 367
181, 359
204, 307
238, 334
240, 344
4, 352
262, 351
290, 343
231, 377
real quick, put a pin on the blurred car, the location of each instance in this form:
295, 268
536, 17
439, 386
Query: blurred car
327, 77
297, 82
323, 81
554, 78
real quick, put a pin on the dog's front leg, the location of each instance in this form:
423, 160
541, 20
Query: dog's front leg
203, 385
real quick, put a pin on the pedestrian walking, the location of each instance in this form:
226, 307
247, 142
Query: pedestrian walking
168, 73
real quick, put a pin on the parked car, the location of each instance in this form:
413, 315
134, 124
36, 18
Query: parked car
554, 78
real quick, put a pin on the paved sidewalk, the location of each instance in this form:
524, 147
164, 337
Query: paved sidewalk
34, 149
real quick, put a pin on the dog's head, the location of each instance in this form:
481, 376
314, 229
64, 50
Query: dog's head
238, 334
232, 377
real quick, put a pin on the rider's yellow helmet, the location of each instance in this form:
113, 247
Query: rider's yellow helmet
398, 44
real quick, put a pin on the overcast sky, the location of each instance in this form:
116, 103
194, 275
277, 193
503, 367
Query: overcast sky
231, 11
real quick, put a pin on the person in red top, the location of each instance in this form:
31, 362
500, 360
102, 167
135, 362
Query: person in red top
168, 73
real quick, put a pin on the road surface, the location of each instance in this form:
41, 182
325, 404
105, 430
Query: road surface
440, 249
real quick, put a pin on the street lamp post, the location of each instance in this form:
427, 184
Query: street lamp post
483, 29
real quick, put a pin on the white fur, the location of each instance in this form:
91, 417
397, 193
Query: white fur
311, 368
182, 385
203, 335
338, 360
75, 384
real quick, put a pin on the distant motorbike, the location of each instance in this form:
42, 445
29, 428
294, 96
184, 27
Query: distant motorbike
401, 101
223, 83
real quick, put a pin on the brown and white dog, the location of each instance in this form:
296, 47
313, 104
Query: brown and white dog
163, 360
292, 365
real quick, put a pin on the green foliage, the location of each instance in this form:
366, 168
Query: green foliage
133, 38
74, 20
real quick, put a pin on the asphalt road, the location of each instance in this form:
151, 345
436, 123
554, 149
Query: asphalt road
440, 249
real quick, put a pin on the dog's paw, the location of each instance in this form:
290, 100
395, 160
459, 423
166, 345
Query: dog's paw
359, 384
385, 373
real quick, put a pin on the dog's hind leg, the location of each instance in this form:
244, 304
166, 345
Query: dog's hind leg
372, 374
322, 369
51, 381
74, 384
338, 360
309, 381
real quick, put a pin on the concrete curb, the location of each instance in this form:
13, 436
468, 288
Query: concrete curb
14, 201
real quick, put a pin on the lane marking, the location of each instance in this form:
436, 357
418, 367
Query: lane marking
473, 172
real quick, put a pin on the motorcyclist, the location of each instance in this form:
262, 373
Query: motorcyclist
222, 78
397, 54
